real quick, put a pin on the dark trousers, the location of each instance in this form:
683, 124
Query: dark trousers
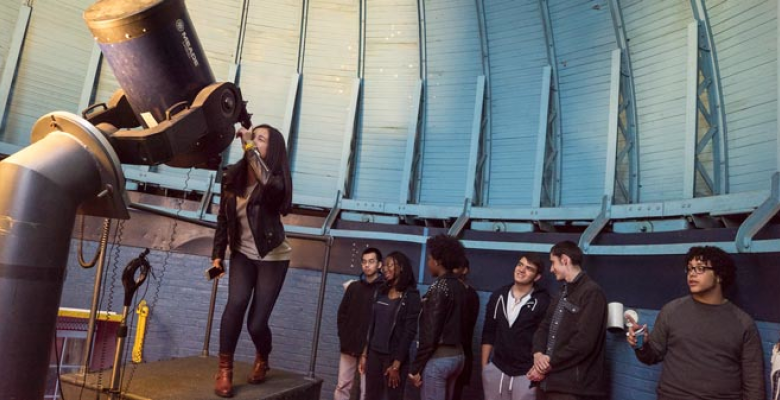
376, 381
258, 282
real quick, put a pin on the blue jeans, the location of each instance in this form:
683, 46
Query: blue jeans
439, 377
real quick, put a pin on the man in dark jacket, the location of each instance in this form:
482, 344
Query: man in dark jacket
353, 319
513, 314
569, 346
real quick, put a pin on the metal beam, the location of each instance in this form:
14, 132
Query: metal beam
710, 177
541, 137
597, 225
714, 109
422, 39
552, 173
758, 246
417, 159
412, 136
348, 143
302, 35
91, 78
760, 217
691, 111
12, 62
332, 215
610, 172
462, 220
244, 17
362, 40
482, 195
289, 109
476, 134
628, 126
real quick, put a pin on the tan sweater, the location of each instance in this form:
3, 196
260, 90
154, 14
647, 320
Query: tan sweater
247, 245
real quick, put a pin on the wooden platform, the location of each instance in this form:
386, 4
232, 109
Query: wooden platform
192, 378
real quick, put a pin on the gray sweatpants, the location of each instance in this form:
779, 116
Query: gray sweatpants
499, 386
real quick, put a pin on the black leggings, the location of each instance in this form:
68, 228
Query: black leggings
264, 280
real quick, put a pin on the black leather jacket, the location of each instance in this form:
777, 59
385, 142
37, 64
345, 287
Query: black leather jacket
440, 319
404, 326
262, 213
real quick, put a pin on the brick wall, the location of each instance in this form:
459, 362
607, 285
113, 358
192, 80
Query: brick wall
178, 320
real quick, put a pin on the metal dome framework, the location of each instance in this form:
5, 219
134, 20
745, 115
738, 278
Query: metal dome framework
546, 189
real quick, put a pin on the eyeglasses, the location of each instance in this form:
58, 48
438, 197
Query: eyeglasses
699, 269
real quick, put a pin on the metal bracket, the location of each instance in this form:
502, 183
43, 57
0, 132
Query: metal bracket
205, 201
760, 217
462, 220
332, 215
595, 227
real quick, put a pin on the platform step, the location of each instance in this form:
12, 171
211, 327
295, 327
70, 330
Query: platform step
191, 378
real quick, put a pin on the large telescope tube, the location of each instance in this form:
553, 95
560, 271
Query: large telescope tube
70, 167
153, 51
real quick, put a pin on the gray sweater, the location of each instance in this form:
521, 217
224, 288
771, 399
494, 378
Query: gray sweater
710, 352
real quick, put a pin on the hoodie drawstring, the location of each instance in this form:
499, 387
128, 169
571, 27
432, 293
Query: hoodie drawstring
501, 384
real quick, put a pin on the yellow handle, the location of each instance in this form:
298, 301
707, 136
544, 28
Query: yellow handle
138, 346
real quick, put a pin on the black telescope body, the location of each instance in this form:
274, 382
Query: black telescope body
153, 51
168, 88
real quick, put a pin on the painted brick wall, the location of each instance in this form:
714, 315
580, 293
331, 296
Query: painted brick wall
178, 321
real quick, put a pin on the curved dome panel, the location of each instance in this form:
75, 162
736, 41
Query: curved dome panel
348, 99
518, 54
329, 73
745, 34
657, 34
390, 81
269, 62
453, 64
584, 40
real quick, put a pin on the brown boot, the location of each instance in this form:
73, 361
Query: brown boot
259, 370
223, 384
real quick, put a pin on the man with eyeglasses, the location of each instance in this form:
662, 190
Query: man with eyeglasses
710, 347
512, 315
352, 321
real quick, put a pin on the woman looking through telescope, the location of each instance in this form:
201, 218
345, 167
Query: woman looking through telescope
256, 192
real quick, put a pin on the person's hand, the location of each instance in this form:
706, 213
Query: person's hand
362, 364
631, 335
393, 377
244, 134
534, 375
217, 263
416, 380
542, 363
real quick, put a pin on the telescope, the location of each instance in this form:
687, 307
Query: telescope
169, 110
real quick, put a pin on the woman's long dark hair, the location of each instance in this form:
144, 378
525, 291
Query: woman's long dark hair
405, 279
277, 162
